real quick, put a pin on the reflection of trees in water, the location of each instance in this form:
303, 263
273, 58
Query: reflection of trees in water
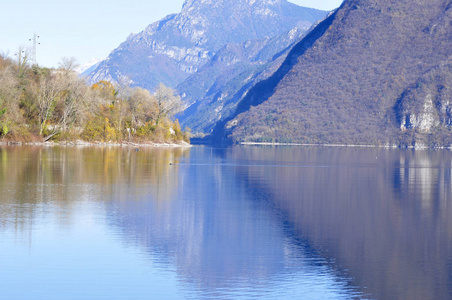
384, 215
417, 172
62, 176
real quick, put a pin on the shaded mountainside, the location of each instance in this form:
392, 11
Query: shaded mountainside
172, 49
373, 72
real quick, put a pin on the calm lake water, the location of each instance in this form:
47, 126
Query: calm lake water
234, 223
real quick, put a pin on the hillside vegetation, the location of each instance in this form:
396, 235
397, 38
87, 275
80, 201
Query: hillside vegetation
374, 72
39, 104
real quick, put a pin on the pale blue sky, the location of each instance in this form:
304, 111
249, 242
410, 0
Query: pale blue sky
86, 29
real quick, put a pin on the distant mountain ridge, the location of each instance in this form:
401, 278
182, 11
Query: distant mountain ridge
374, 72
214, 91
177, 46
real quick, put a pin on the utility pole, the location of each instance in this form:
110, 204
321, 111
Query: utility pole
35, 45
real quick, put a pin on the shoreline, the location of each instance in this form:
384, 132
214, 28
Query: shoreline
182, 144
420, 147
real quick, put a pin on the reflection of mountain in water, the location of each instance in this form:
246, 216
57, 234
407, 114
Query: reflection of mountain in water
221, 235
252, 218
384, 215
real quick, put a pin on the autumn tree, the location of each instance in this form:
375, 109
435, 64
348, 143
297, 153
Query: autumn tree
105, 88
56, 104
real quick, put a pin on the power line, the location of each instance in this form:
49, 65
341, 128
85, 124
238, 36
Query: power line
35, 45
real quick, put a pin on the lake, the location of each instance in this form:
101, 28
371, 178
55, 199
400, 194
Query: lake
225, 223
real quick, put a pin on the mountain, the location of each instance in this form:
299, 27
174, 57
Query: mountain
88, 67
172, 49
373, 72
212, 93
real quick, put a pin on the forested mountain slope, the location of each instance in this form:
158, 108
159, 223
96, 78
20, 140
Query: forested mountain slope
373, 72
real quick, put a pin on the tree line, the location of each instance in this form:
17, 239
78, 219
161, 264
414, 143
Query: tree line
40, 104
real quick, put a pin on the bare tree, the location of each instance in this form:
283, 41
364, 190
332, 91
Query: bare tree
142, 107
68, 64
73, 96
48, 92
62, 98
168, 103
124, 92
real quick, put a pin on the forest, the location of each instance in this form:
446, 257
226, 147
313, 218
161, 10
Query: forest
40, 104
372, 73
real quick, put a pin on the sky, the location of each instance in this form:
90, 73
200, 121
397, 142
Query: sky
86, 29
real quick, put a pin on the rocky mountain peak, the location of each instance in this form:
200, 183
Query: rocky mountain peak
170, 50
190, 4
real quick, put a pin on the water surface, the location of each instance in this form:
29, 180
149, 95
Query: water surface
234, 223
